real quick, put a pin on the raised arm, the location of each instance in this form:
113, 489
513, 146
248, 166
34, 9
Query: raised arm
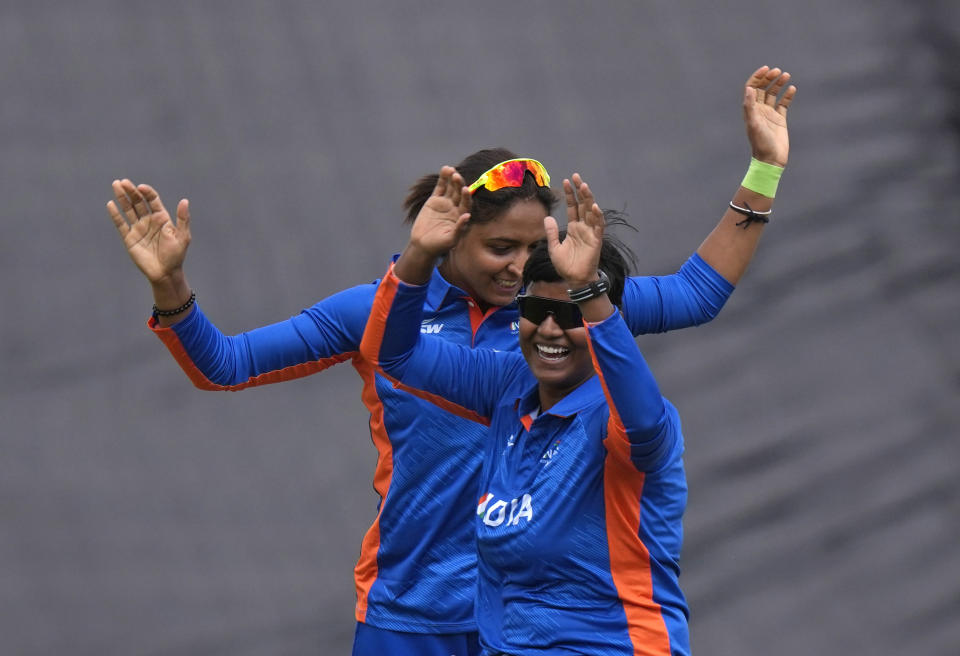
731, 245
156, 243
639, 417
327, 333
697, 292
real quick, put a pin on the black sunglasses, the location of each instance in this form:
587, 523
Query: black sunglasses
536, 308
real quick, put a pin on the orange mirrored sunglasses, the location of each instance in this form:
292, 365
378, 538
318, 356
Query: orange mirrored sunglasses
510, 174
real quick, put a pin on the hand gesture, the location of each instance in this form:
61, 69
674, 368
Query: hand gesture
577, 256
442, 218
154, 242
765, 114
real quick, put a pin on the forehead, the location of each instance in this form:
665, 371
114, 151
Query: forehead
555, 290
522, 222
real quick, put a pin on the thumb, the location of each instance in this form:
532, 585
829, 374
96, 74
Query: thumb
749, 98
553, 233
183, 211
183, 217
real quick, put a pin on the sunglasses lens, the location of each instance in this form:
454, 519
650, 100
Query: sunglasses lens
510, 174
536, 309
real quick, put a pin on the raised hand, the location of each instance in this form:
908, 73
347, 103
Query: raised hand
576, 257
155, 243
440, 222
765, 114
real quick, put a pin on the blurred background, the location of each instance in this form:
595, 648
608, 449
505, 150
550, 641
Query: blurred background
140, 516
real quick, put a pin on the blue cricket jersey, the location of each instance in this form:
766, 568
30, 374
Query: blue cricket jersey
417, 568
579, 511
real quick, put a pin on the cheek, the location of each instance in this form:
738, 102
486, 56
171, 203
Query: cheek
527, 331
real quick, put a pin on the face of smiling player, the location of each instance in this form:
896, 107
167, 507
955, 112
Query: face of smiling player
487, 262
560, 359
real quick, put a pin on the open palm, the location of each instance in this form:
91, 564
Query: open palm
576, 257
442, 218
155, 243
765, 114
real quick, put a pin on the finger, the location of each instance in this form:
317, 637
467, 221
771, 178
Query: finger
183, 217
466, 200
757, 83
596, 219
769, 93
121, 224
757, 78
776, 86
442, 180
786, 100
585, 196
749, 100
139, 204
553, 233
455, 188
463, 223
120, 192
571, 200
152, 198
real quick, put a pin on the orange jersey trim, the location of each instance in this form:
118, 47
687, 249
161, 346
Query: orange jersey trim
366, 571
173, 344
629, 557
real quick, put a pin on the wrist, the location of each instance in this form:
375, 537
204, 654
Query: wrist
584, 290
762, 177
172, 290
415, 265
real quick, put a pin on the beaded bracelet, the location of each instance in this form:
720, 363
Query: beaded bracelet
183, 308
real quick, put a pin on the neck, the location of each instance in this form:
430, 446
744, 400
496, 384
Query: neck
450, 275
551, 396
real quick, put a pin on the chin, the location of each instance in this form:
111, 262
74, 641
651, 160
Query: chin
500, 297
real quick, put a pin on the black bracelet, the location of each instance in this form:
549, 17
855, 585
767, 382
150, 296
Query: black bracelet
752, 215
592, 290
183, 308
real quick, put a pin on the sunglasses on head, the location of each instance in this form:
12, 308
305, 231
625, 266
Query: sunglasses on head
510, 174
536, 308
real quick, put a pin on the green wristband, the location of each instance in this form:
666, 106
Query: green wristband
762, 178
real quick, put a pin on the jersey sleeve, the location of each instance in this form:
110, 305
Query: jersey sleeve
467, 382
643, 426
317, 338
691, 296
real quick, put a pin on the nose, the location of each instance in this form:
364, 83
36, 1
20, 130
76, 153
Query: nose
549, 327
515, 268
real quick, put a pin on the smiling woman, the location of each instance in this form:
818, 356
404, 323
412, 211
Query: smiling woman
580, 440
511, 196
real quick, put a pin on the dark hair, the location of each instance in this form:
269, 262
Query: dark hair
616, 259
487, 205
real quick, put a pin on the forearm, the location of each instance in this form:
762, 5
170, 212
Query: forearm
414, 266
636, 405
729, 247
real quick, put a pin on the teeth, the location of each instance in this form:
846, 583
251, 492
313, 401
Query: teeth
507, 284
552, 352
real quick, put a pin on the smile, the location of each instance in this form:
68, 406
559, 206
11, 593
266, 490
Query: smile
552, 353
506, 284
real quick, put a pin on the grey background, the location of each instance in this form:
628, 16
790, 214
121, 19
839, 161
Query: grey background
141, 516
